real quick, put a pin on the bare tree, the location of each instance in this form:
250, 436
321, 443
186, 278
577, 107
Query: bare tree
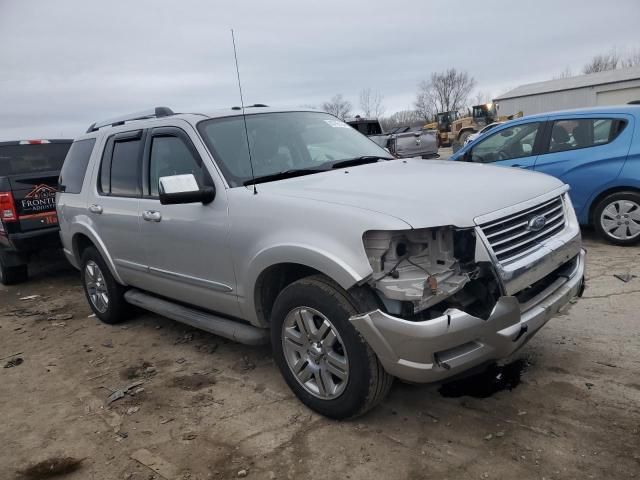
566, 73
401, 118
338, 106
603, 62
371, 103
481, 97
631, 60
444, 92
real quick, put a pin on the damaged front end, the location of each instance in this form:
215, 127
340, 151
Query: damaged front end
445, 304
419, 274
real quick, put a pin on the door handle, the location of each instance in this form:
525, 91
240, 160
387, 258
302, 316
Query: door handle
518, 165
97, 209
151, 216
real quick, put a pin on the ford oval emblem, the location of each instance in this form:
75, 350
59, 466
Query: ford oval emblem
535, 224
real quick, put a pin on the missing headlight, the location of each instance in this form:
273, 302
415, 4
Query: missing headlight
422, 267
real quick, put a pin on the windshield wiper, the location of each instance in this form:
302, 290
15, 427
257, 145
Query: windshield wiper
364, 159
294, 172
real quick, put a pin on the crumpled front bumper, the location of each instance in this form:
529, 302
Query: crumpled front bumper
436, 349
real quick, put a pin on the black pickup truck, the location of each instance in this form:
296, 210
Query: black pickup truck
29, 171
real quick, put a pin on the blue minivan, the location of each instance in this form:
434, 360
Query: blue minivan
596, 151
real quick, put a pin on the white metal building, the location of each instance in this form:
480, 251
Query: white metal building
614, 87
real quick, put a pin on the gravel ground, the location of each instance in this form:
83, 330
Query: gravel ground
201, 407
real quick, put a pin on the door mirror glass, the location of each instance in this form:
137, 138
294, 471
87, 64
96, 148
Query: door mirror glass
179, 189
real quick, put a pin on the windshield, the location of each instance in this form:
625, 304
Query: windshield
281, 142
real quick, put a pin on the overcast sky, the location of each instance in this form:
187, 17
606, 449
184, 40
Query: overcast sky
66, 64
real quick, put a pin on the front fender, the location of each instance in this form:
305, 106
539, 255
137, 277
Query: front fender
345, 273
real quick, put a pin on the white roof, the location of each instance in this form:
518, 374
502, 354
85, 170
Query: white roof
570, 83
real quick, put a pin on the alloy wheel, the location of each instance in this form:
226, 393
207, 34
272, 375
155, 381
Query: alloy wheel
96, 286
315, 353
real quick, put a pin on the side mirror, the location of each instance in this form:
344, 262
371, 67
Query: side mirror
180, 189
507, 133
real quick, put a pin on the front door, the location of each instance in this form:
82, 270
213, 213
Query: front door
514, 146
186, 245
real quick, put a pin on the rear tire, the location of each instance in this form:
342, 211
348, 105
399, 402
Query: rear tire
339, 376
14, 274
617, 218
104, 294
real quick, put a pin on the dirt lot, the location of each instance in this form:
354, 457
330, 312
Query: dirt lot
206, 408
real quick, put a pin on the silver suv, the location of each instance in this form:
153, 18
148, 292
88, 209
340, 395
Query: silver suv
292, 227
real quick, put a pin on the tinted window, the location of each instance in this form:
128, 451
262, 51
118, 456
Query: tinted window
75, 165
171, 156
125, 168
507, 144
24, 159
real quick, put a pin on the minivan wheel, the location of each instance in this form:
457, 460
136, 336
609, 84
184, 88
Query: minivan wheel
323, 358
104, 294
617, 218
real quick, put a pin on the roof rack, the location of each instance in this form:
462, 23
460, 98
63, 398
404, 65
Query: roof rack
255, 105
157, 112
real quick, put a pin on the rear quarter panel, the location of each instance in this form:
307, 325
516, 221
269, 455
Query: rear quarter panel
628, 177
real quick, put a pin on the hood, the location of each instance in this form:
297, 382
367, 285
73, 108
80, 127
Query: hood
423, 193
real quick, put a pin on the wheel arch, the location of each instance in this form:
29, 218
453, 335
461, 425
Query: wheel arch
83, 238
605, 193
273, 270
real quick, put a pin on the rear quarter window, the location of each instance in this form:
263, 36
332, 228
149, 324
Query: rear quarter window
36, 158
75, 166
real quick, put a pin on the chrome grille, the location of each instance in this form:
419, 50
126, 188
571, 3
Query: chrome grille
510, 237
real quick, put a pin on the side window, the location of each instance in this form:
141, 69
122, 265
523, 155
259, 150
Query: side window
75, 166
172, 156
572, 134
125, 168
120, 172
507, 144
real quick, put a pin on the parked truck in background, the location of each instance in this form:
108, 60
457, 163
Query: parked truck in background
403, 142
29, 171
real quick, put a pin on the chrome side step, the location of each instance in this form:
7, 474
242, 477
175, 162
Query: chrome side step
223, 327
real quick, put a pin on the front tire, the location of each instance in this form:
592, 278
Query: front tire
104, 294
617, 218
323, 358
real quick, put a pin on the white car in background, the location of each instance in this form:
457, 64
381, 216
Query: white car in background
473, 136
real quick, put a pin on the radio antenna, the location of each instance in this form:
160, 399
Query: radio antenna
244, 117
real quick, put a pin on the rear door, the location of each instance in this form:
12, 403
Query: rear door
32, 169
585, 151
114, 208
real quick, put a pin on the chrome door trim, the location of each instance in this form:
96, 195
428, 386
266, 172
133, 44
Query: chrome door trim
199, 282
131, 265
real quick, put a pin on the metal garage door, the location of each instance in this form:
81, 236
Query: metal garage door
618, 97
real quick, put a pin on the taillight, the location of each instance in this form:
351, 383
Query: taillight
7, 207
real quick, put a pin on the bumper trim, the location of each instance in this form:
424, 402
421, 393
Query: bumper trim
435, 349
